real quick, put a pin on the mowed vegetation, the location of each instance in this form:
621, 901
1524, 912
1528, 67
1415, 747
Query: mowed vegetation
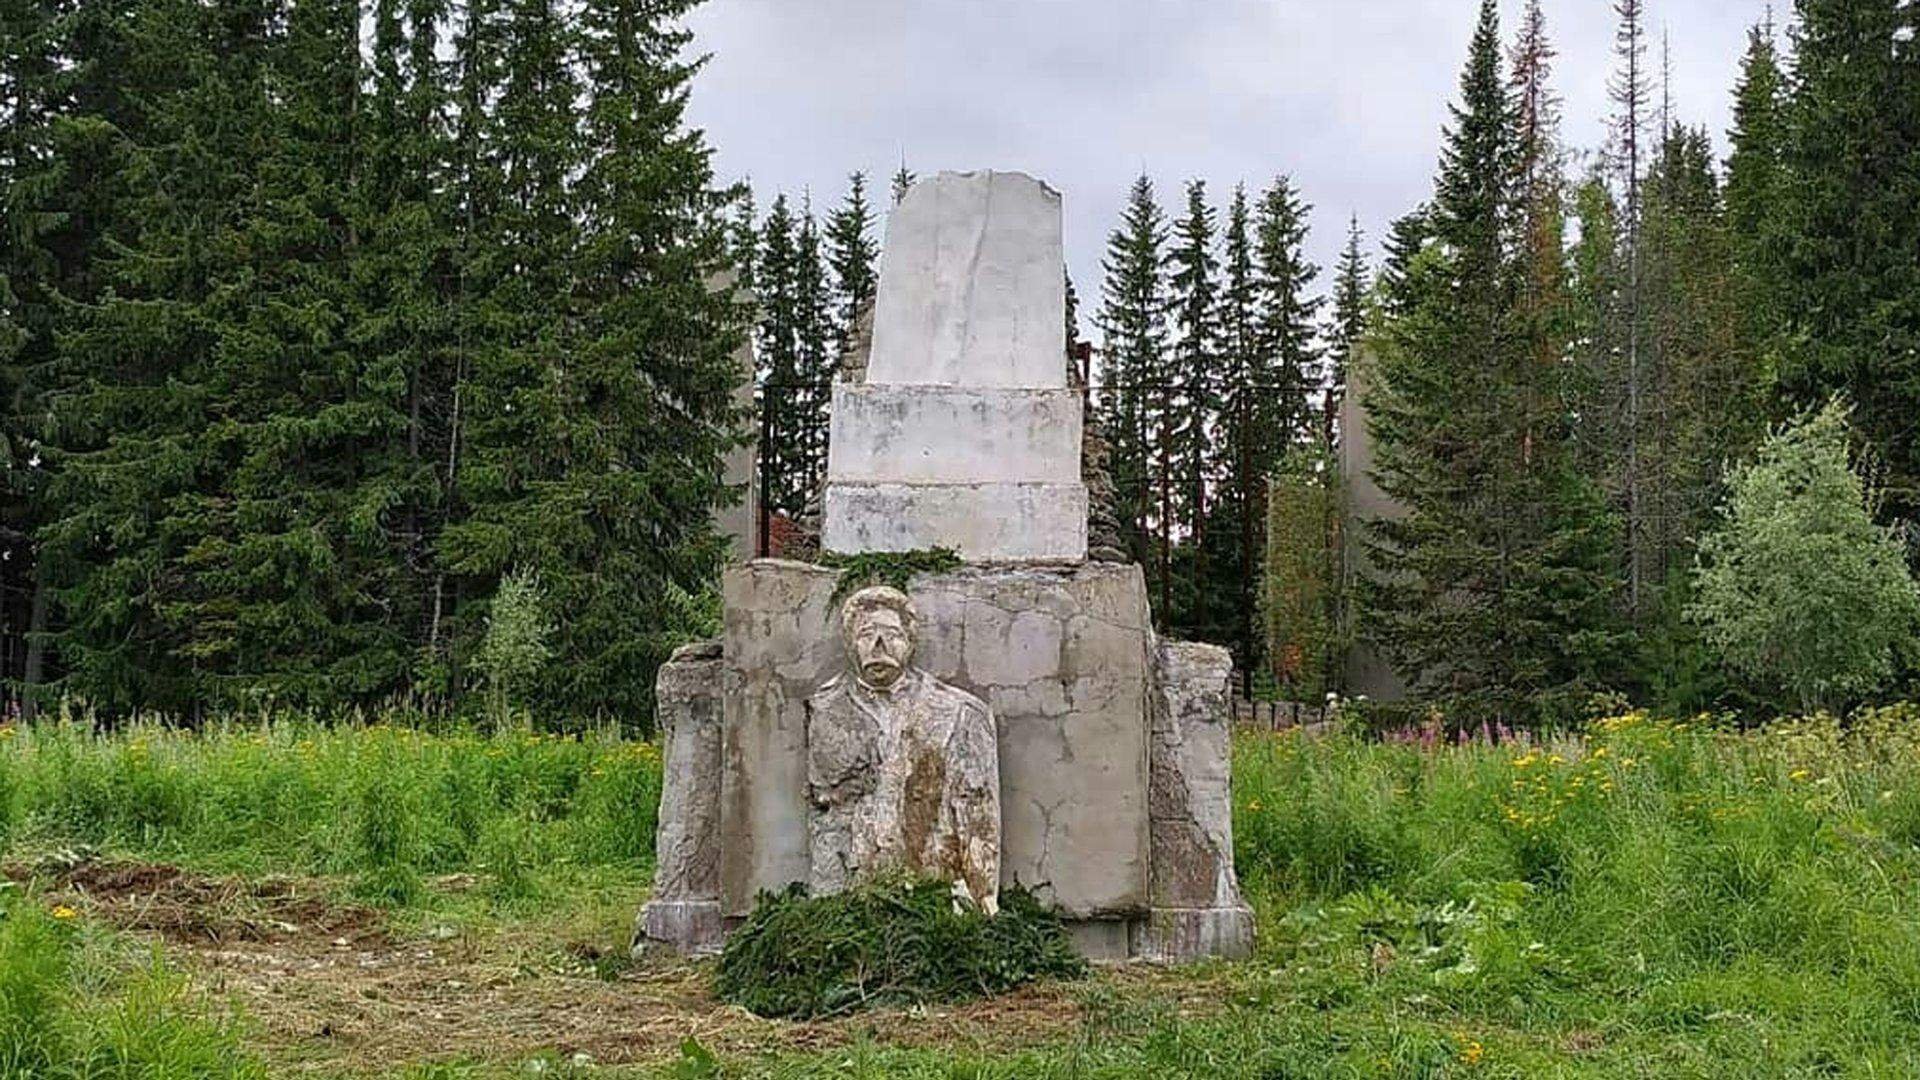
1646, 898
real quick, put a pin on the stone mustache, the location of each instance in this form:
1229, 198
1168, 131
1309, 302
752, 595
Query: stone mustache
903, 770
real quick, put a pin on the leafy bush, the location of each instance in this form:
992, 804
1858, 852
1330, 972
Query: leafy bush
515, 647
890, 942
1798, 587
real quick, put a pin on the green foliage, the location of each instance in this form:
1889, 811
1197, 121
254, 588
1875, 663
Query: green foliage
1492, 591
70, 1008
1847, 221
1299, 591
383, 805
515, 647
364, 307
887, 943
895, 568
1798, 587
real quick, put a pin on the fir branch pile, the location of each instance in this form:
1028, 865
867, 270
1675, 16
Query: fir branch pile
894, 568
890, 942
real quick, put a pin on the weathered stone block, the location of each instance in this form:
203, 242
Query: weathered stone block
683, 912
982, 522
972, 290
953, 435
1197, 909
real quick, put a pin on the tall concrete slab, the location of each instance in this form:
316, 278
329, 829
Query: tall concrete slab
964, 435
972, 285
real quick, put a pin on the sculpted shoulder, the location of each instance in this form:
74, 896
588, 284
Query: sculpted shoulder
952, 697
830, 690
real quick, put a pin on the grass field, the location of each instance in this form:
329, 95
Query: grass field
1647, 898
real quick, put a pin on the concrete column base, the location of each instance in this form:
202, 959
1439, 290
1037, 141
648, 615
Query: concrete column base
686, 927
1183, 935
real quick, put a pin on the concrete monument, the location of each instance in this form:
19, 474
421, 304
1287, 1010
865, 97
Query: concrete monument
1109, 800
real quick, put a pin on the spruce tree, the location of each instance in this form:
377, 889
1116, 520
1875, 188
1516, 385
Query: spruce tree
1847, 287
1189, 402
1288, 360
851, 252
1348, 326
1755, 184
37, 91
903, 179
522, 429
817, 358
173, 129
1133, 313
1492, 589
783, 395
1238, 529
287, 577
1630, 92
652, 372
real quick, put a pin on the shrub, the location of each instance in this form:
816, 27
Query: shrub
890, 942
1799, 588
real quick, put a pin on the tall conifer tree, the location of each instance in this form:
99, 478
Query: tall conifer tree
851, 251
1492, 590
1348, 326
1848, 288
1133, 314
1755, 184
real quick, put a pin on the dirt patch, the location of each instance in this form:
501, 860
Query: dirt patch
192, 909
329, 988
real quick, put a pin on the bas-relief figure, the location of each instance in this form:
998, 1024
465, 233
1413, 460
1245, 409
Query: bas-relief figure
902, 769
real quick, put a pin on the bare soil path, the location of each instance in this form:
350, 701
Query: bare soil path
333, 987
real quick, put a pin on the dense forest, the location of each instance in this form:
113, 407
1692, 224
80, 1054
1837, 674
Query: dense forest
330, 325
361, 351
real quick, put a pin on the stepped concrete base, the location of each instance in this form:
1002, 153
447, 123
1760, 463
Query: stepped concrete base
992, 523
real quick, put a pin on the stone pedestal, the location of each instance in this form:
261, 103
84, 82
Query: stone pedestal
1110, 745
1197, 910
964, 435
1113, 752
1062, 658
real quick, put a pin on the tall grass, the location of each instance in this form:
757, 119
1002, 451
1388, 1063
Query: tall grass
387, 805
1646, 897
1646, 877
72, 1007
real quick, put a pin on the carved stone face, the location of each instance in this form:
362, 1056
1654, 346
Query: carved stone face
878, 625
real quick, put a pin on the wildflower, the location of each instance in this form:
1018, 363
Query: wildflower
1798, 774
63, 912
1253, 806
1472, 1052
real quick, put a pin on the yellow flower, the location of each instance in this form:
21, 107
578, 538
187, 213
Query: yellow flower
1798, 774
64, 912
1253, 806
1472, 1052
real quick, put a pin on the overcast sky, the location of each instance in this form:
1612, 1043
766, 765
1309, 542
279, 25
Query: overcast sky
1346, 96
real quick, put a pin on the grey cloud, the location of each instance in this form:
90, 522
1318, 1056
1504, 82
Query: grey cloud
1346, 97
